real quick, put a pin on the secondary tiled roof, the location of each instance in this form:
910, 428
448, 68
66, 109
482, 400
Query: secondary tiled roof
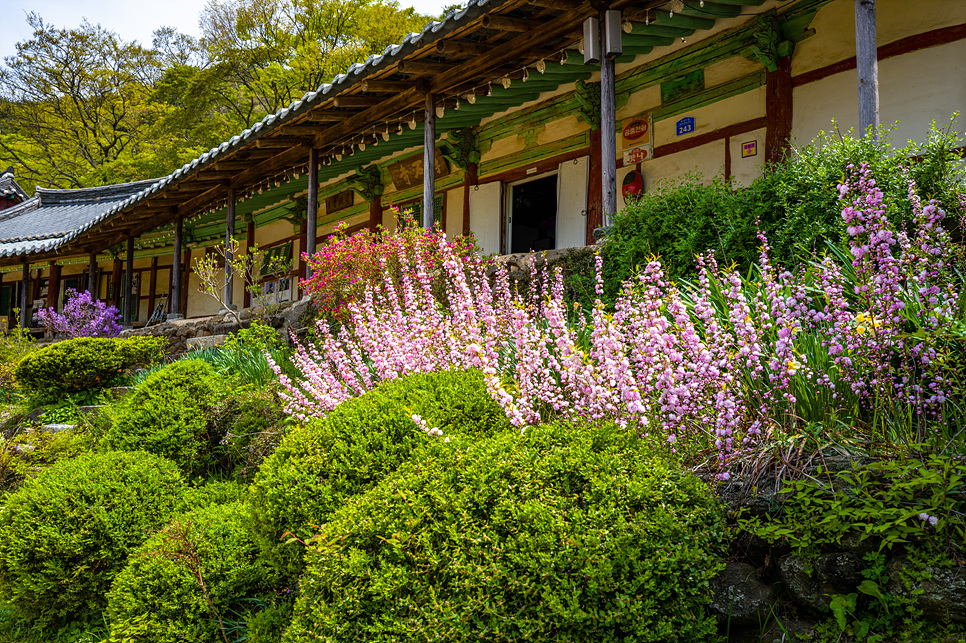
9, 187
51, 217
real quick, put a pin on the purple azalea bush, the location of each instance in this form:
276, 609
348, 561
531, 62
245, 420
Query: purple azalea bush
83, 316
714, 366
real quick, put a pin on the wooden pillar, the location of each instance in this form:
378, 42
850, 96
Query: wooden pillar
375, 213
174, 292
153, 288
867, 64
92, 275
249, 244
302, 268
469, 181
24, 294
127, 315
53, 286
608, 138
311, 213
595, 217
185, 280
116, 283
727, 158
429, 160
229, 238
778, 111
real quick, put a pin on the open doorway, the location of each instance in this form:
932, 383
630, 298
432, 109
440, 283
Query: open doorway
533, 215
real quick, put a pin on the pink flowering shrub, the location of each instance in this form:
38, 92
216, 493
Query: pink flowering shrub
83, 316
349, 264
717, 363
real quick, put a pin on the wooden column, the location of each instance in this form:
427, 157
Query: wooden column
174, 293
153, 288
375, 212
53, 286
302, 268
92, 275
312, 212
127, 315
24, 294
249, 244
867, 64
469, 181
595, 217
778, 111
116, 283
185, 280
429, 160
229, 237
608, 134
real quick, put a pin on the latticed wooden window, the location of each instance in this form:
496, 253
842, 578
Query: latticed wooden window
417, 209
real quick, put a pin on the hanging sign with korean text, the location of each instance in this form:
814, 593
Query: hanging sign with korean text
636, 131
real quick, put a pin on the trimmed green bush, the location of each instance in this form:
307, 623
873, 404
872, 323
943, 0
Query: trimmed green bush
84, 364
567, 534
66, 533
319, 465
187, 581
168, 415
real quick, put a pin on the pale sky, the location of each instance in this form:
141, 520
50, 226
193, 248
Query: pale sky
130, 19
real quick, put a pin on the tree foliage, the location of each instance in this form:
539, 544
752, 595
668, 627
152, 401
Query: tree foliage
82, 107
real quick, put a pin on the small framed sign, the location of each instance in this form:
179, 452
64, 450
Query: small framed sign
685, 125
637, 154
749, 149
339, 201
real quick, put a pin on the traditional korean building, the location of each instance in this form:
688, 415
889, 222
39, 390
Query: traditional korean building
526, 142
10, 191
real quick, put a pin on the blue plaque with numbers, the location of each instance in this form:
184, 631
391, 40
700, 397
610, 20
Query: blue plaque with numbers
686, 125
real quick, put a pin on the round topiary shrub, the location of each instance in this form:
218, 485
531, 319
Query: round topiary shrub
562, 534
318, 465
188, 582
84, 364
66, 533
169, 415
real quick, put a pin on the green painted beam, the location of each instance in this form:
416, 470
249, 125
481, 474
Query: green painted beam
711, 9
658, 30
642, 34
662, 19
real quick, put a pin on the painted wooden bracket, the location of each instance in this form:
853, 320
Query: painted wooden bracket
461, 148
298, 210
588, 103
367, 183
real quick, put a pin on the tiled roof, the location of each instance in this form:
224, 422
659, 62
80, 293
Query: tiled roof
9, 187
51, 217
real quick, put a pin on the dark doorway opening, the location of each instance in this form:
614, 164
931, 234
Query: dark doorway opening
533, 215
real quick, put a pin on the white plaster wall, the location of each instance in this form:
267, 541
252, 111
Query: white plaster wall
729, 111
746, 170
389, 219
707, 160
914, 89
454, 212
834, 25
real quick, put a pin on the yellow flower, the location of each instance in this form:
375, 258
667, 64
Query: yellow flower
860, 329
792, 366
